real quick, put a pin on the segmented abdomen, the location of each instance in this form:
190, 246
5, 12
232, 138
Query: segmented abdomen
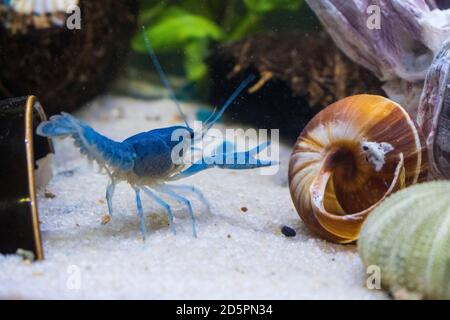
95, 146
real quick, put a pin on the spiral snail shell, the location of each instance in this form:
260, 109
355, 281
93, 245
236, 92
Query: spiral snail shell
408, 238
348, 159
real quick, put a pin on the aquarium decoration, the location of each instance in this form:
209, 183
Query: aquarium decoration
408, 238
66, 67
348, 159
333, 188
408, 50
398, 46
25, 165
434, 113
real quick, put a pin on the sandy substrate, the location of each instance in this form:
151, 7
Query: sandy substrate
237, 255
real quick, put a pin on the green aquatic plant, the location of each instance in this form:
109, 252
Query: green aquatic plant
408, 238
191, 26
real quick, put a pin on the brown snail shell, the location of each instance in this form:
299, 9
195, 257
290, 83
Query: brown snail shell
348, 159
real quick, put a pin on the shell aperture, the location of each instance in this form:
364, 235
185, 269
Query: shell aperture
351, 156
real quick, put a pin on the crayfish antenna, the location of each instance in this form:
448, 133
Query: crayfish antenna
173, 97
163, 77
230, 100
216, 117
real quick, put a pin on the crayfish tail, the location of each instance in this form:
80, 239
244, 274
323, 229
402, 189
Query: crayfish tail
91, 143
57, 126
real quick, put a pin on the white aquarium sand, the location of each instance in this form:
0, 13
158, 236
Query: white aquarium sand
237, 255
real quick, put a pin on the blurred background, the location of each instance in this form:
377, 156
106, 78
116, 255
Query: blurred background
206, 48
190, 30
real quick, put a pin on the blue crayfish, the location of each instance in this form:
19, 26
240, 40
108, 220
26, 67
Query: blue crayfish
146, 160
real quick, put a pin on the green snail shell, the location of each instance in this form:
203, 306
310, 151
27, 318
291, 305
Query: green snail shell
408, 238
